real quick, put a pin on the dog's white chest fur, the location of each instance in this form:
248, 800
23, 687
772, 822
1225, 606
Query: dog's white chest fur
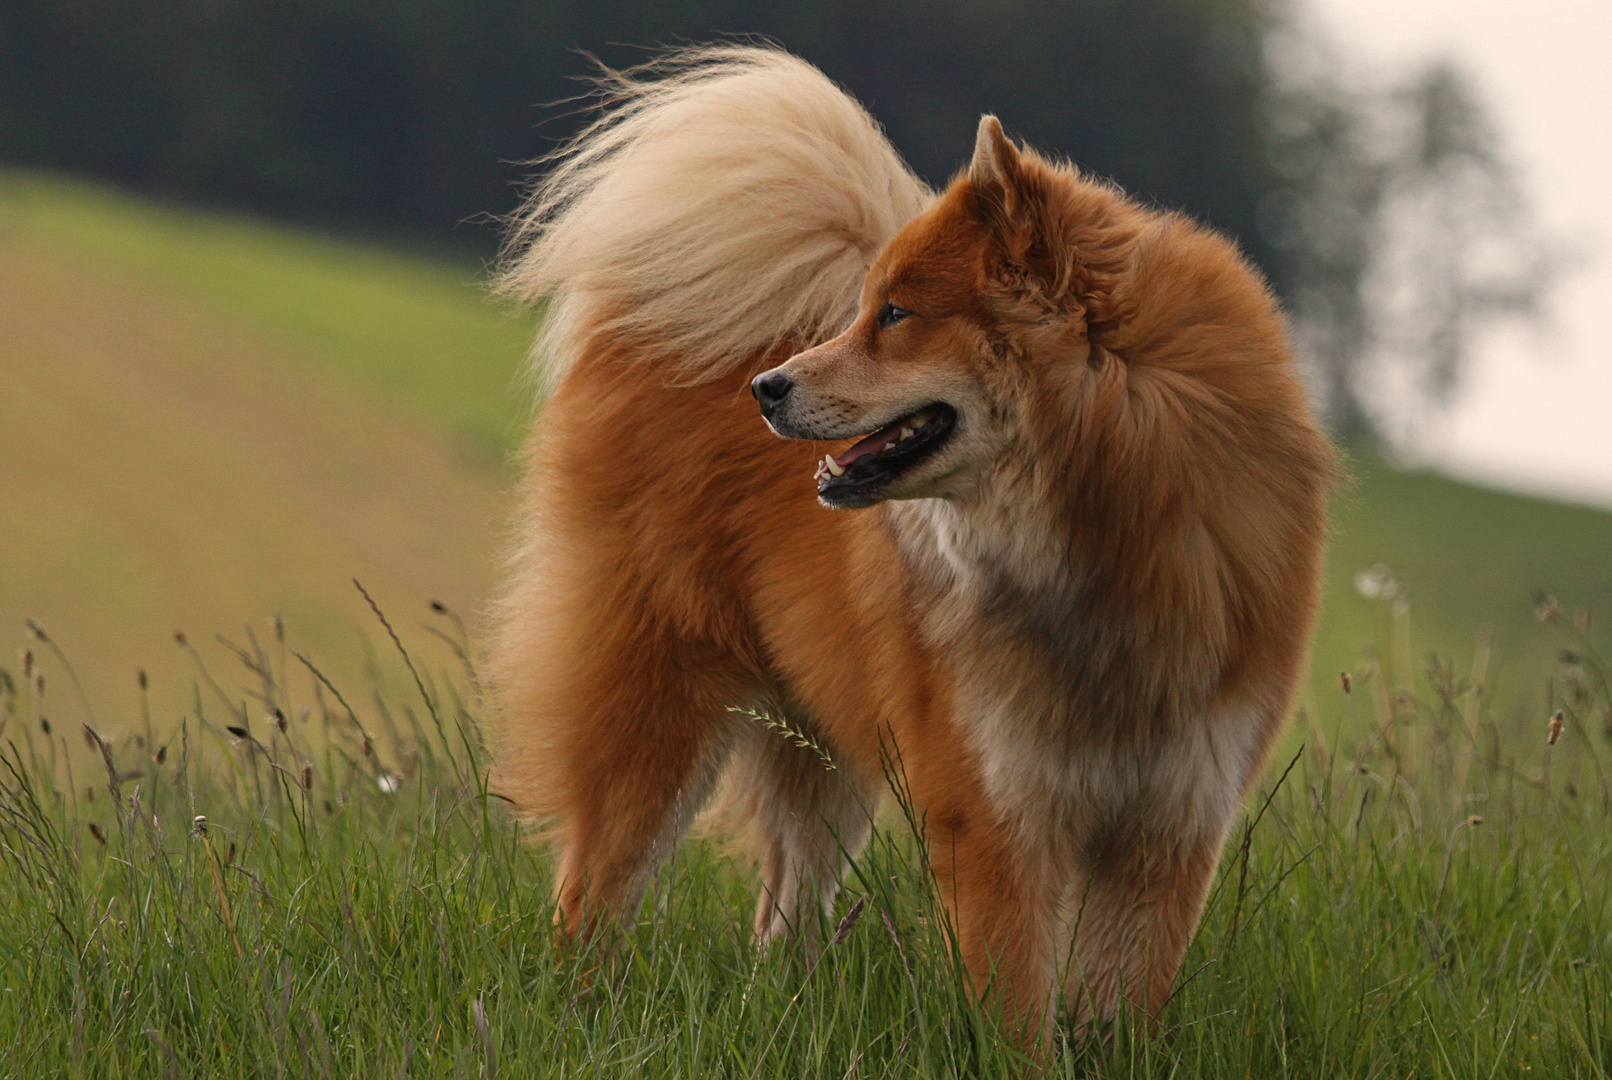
1056, 774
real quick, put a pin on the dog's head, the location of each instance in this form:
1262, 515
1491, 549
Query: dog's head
988, 297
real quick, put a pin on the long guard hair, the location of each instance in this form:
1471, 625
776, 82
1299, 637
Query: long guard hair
725, 197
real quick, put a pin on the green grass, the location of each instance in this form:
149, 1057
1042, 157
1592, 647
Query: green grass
1423, 895
209, 419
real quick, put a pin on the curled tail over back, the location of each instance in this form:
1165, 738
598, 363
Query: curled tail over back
725, 198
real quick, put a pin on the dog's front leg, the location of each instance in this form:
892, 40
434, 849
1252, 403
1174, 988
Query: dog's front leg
1003, 910
1134, 911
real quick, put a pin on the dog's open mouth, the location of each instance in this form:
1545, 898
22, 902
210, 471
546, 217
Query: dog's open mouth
881, 457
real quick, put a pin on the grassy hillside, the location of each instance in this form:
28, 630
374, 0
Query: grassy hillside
286, 903
208, 419
1473, 562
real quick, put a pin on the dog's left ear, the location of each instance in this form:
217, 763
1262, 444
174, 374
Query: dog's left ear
993, 154
996, 174
1010, 203
1060, 255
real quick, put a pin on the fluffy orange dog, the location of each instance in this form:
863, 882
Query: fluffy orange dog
1068, 572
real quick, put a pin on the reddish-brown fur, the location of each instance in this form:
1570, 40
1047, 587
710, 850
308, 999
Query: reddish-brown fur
1080, 629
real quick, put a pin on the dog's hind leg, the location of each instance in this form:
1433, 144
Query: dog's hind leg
633, 734
809, 815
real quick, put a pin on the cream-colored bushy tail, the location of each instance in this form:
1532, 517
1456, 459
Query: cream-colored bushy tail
725, 198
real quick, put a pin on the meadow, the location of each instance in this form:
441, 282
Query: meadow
272, 854
286, 884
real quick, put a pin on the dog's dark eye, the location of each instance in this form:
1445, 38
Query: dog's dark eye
889, 315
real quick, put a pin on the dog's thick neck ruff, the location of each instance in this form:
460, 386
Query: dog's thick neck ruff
1107, 501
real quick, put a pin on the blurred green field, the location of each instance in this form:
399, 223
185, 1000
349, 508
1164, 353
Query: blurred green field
209, 419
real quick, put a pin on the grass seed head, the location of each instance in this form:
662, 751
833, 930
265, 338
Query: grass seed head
198, 825
1346, 682
1553, 730
180, 638
27, 663
44, 725
95, 831
144, 682
1377, 583
307, 778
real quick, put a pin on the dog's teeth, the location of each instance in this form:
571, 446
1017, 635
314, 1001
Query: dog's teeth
834, 467
906, 433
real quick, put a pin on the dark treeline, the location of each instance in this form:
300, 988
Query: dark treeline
418, 115
414, 112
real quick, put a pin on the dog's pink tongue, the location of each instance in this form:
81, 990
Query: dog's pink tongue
877, 443
873, 444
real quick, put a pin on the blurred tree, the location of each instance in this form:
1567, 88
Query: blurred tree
1401, 233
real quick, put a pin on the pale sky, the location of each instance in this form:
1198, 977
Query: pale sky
1538, 413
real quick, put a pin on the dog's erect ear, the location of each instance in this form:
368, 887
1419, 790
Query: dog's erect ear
1056, 262
1002, 192
995, 159
1008, 202
996, 173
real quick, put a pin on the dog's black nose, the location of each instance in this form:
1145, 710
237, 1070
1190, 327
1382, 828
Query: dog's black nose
771, 387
